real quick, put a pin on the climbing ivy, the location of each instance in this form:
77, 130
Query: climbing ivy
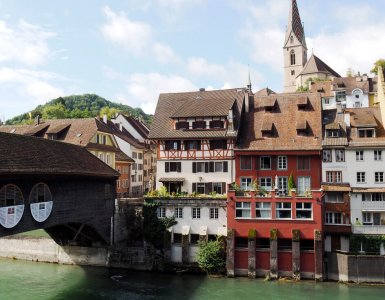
370, 244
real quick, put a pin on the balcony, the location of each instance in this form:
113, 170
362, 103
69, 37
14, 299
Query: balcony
368, 229
373, 205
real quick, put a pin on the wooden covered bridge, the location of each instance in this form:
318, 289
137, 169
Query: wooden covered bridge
58, 187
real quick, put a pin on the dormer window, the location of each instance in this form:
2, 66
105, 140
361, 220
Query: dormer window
267, 128
216, 124
199, 125
302, 127
366, 133
181, 125
332, 133
302, 103
270, 104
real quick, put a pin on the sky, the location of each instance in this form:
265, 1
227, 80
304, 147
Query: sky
130, 51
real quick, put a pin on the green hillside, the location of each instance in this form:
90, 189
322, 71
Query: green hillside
78, 106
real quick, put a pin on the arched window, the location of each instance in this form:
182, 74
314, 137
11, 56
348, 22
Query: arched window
292, 57
11, 205
291, 40
41, 202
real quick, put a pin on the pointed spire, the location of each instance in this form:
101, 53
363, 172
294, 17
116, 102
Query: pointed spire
249, 82
295, 25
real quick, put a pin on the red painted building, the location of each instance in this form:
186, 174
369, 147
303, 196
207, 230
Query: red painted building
275, 208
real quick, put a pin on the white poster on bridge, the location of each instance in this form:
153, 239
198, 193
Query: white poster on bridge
41, 210
10, 216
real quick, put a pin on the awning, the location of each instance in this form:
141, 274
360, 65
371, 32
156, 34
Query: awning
336, 188
171, 180
373, 190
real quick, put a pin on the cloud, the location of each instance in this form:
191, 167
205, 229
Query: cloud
171, 10
144, 89
25, 89
24, 43
134, 36
229, 75
165, 54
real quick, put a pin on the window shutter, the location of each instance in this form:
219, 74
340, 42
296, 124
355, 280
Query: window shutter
206, 167
273, 162
225, 167
194, 187
208, 187
257, 162
179, 167
194, 167
223, 187
211, 167
167, 167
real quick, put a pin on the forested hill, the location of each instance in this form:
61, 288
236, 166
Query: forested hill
78, 106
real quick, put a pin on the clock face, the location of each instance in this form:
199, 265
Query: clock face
41, 202
11, 206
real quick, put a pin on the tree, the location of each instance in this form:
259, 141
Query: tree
380, 62
56, 111
350, 72
212, 256
291, 183
110, 112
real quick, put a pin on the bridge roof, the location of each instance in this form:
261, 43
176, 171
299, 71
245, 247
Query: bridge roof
26, 155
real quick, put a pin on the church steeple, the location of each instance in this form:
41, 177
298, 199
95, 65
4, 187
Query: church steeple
295, 49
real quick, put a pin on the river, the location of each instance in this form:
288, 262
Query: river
28, 280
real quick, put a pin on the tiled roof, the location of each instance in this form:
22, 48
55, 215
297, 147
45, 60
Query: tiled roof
264, 92
30, 155
334, 121
195, 104
369, 117
323, 87
139, 126
120, 156
316, 65
285, 117
350, 83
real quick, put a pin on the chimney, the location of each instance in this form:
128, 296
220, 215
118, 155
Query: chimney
247, 102
105, 118
37, 120
365, 77
120, 126
202, 89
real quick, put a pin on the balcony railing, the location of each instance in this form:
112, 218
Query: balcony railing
368, 229
373, 205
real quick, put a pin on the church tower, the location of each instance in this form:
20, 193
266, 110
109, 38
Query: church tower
294, 50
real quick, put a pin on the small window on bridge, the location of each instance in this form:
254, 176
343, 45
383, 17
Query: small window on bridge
11, 205
41, 202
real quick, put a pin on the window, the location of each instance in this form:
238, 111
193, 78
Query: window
327, 155
181, 125
108, 159
134, 155
283, 210
265, 183
303, 163
193, 145
333, 176
214, 213
340, 155
378, 197
292, 72
199, 125
133, 178
334, 197
217, 187
242, 210
194, 239
303, 185
265, 162
218, 144
161, 212
246, 183
340, 96
134, 167
246, 162
140, 167
361, 177
292, 57
173, 166
216, 124
196, 212
178, 212
282, 163
263, 210
177, 238
304, 210
333, 218
172, 145
377, 155
282, 185
200, 167
366, 133
218, 167
332, 133
200, 188
118, 184
367, 218
359, 155
379, 177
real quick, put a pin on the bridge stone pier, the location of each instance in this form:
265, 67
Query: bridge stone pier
58, 187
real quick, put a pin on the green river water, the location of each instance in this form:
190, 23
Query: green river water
21, 280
